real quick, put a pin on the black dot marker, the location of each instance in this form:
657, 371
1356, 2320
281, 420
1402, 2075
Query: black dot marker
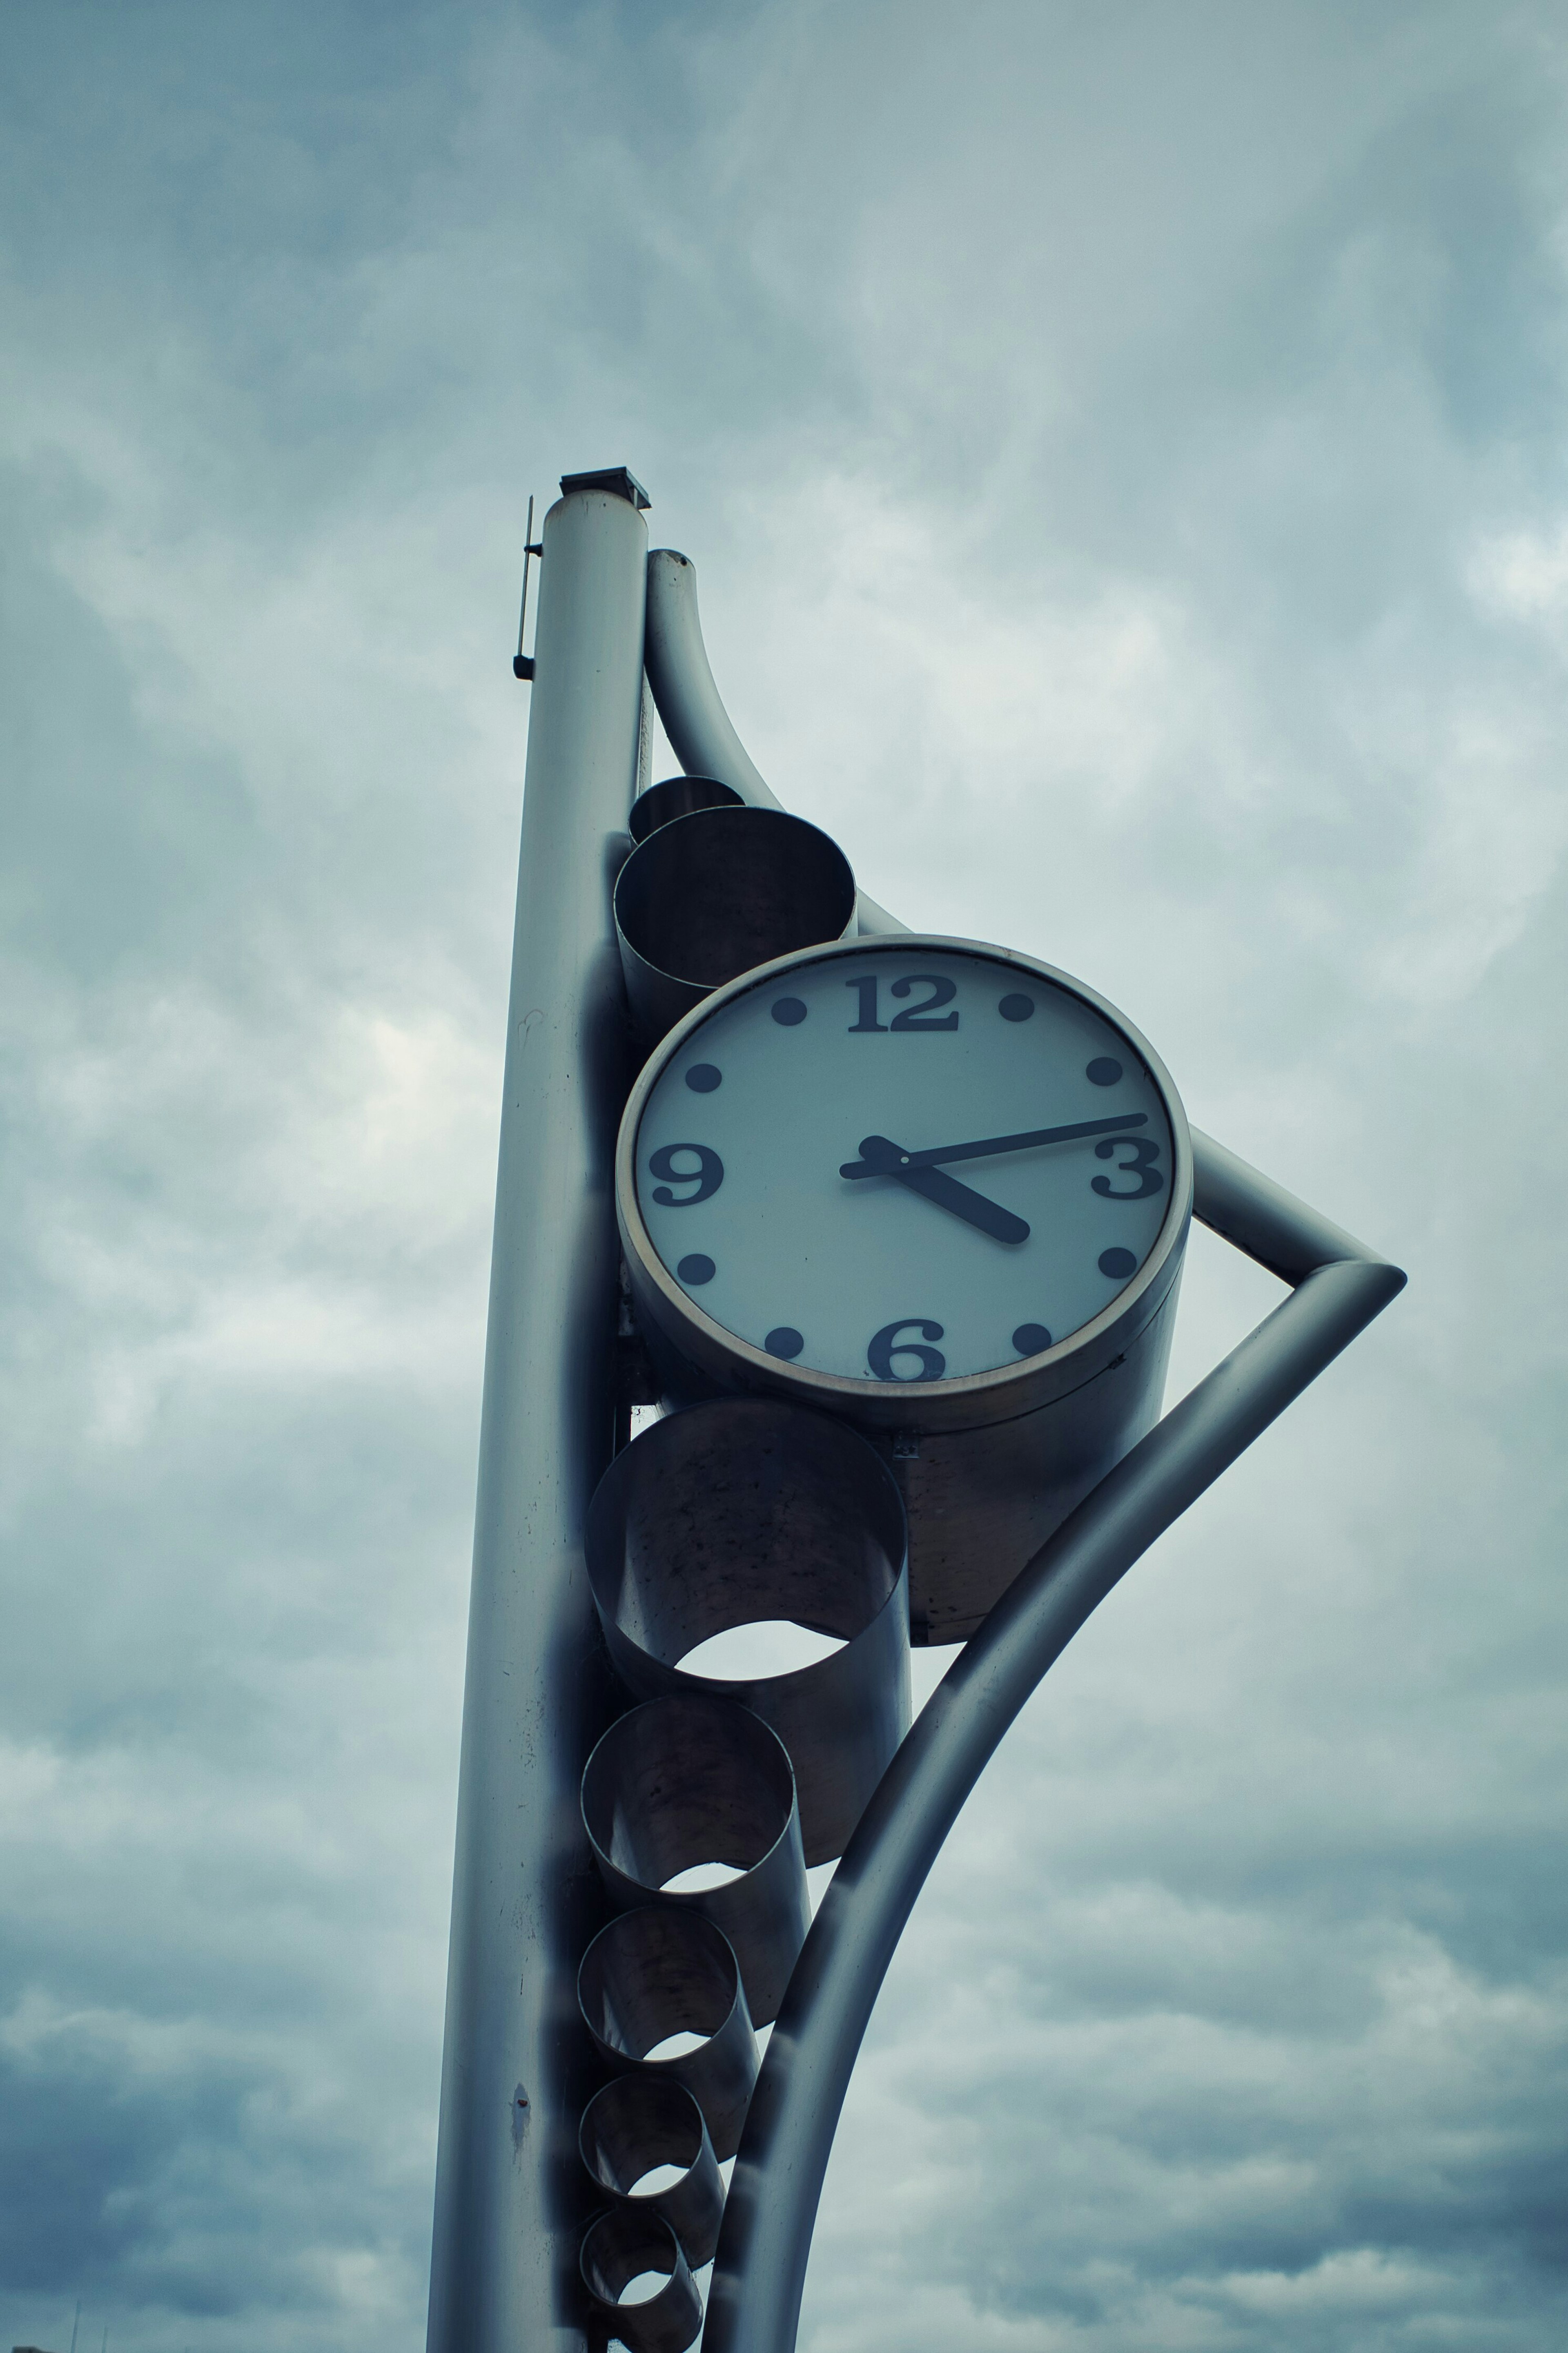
784, 1340
788, 1011
1116, 1263
703, 1078
1015, 1008
699, 1268
1103, 1071
1029, 1339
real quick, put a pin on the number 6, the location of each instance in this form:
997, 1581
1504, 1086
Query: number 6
886, 1345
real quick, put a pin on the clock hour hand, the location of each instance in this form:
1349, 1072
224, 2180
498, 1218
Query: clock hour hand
883, 1158
985, 1145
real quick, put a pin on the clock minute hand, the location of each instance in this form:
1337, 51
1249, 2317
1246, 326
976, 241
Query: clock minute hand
883, 1158
985, 1145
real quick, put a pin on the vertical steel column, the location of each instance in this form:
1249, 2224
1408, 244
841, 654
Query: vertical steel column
510, 2194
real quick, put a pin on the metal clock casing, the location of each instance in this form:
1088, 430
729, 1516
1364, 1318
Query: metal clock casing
990, 1461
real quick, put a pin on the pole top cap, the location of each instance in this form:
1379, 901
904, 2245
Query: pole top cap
618, 480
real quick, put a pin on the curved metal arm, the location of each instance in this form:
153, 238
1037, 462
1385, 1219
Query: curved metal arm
694, 718
689, 704
1340, 1286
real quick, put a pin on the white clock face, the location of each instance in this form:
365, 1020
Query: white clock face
904, 1164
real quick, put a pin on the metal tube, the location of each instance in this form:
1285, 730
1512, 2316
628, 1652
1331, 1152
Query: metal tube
754, 2300
635, 2122
1261, 1219
709, 895
661, 1972
693, 715
694, 718
676, 796
620, 2246
691, 1779
745, 1509
510, 2193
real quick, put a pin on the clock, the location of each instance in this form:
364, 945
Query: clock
937, 1189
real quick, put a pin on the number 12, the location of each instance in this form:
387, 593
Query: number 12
920, 1017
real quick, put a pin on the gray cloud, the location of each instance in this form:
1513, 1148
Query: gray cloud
1123, 455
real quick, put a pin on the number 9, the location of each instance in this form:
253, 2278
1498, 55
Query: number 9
708, 1175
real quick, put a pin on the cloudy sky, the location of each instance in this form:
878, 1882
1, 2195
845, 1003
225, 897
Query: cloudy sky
1124, 447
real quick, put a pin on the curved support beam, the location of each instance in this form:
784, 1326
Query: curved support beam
689, 705
679, 672
1338, 1287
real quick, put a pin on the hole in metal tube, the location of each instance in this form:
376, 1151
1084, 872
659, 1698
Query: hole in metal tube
676, 2046
646, 2286
765, 1646
699, 1878
657, 2178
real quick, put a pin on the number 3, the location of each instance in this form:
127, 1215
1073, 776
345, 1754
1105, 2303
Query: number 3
1144, 1154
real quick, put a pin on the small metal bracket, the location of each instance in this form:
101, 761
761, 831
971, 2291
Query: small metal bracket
522, 663
636, 1383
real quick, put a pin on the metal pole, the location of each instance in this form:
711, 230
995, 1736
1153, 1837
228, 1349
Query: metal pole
759, 2271
511, 2193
